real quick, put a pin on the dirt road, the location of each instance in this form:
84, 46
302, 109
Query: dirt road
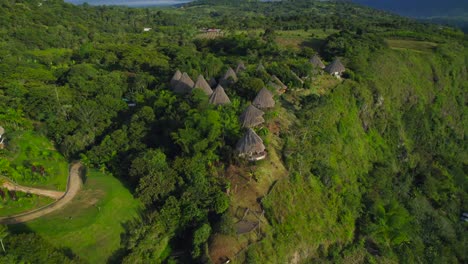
49, 193
74, 184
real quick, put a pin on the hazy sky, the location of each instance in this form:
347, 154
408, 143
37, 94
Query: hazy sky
129, 2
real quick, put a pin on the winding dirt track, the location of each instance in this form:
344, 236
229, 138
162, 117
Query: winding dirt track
73, 186
48, 193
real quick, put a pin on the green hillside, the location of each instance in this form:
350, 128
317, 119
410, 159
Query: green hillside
370, 167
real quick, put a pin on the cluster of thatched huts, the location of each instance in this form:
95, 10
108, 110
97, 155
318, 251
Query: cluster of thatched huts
336, 68
250, 146
181, 83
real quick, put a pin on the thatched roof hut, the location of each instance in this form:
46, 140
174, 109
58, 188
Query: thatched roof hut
203, 85
212, 82
280, 86
264, 99
184, 85
229, 77
297, 77
219, 96
317, 62
251, 146
260, 67
252, 117
335, 68
240, 67
175, 79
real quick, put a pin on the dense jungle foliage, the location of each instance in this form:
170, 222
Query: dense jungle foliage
376, 163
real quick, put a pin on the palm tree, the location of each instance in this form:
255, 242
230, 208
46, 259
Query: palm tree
3, 233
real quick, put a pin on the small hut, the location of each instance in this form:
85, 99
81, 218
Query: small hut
212, 82
203, 85
252, 117
251, 146
297, 77
2, 131
240, 67
184, 85
175, 79
229, 77
280, 86
219, 96
317, 62
260, 67
335, 68
264, 99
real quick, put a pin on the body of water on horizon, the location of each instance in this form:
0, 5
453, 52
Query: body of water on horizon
132, 3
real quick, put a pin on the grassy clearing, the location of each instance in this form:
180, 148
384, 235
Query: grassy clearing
296, 39
413, 45
26, 148
24, 202
92, 223
210, 35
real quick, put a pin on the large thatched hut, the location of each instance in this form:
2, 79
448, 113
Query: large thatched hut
251, 146
317, 62
229, 77
335, 68
175, 79
219, 96
264, 99
184, 85
252, 117
203, 85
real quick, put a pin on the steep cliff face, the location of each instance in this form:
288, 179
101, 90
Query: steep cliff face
380, 174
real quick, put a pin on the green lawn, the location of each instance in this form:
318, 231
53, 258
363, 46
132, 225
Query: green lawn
27, 148
413, 45
24, 202
91, 225
312, 38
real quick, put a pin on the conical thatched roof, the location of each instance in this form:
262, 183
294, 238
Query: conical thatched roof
275, 86
251, 117
317, 62
250, 144
229, 77
203, 85
219, 96
2, 131
264, 99
297, 77
279, 82
260, 67
335, 66
240, 67
184, 85
175, 79
212, 82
